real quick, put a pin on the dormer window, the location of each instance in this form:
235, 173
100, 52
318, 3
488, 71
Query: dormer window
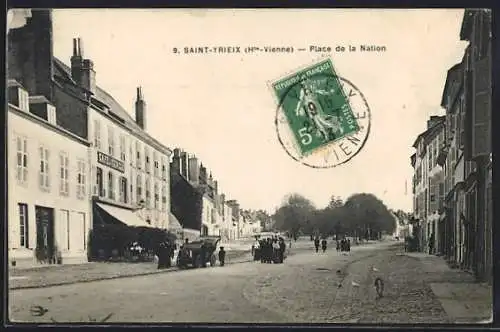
42, 108
18, 96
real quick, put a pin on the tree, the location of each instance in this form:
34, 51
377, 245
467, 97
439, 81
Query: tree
295, 214
335, 202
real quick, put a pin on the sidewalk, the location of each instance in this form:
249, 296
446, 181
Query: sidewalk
54, 275
463, 299
418, 289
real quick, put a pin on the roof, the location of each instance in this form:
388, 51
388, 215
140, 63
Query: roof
102, 96
466, 28
453, 75
430, 131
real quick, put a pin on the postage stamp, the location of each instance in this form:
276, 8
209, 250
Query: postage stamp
322, 119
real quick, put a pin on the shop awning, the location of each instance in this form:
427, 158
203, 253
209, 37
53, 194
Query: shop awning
128, 217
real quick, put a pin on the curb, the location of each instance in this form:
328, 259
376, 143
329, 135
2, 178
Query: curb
173, 269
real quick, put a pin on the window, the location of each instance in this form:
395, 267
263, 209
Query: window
156, 163
146, 156
139, 188
138, 152
51, 114
80, 179
111, 189
64, 166
111, 141
164, 198
44, 169
23, 225
24, 104
99, 179
148, 196
163, 168
64, 231
123, 147
123, 189
131, 151
157, 197
22, 159
97, 134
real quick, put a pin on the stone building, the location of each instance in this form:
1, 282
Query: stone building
49, 212
129, 169
476, 29
428, 190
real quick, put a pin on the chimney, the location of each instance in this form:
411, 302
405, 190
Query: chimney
203, 175
175, 166
433, 120
193, 170
30, 54
76, 61
216, 187
184, 166
82, 70
140, 109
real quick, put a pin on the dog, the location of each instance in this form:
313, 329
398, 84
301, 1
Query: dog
379, 287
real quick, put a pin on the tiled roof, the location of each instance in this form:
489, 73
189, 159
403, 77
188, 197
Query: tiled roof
104, 97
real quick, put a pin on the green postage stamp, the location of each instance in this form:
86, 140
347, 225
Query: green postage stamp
317, 106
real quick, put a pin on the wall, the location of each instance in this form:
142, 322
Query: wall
159, 215
38, 133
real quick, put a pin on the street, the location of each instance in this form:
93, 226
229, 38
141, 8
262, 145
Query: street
309, 288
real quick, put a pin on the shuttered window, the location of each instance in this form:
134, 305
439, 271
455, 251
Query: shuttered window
481, 115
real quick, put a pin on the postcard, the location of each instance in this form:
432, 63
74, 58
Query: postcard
249, 166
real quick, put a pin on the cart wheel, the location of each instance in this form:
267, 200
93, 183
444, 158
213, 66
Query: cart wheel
197, 261
213, 261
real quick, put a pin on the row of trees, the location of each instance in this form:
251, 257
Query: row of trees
361, 215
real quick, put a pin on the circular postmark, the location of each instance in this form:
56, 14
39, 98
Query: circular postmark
322, 121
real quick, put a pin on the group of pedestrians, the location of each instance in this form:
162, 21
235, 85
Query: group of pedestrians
344, 245
272, 250
165, 253
323, 244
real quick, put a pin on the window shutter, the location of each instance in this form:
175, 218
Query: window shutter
481, 116
468, 116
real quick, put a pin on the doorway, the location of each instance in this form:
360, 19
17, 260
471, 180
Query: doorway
45, 251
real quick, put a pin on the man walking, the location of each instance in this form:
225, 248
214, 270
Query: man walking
222, 256
316, 243
323, 245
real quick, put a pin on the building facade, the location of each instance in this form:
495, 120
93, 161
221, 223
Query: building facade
428, 184
48, 184
476, 29
196, 201
129, 170
465, 155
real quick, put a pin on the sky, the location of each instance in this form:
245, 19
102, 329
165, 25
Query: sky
220, 108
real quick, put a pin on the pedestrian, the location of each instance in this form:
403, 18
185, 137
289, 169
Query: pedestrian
168, 254
323, 245
282, 249
262, 251
276, 252
162, 256
203, 254
222, 256
269, 251
348, 245
337, 243
431, 244
316, 243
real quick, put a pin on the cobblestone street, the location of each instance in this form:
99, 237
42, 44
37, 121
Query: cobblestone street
309, 288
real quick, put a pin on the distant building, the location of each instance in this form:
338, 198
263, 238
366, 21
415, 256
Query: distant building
428, 180
196, 201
